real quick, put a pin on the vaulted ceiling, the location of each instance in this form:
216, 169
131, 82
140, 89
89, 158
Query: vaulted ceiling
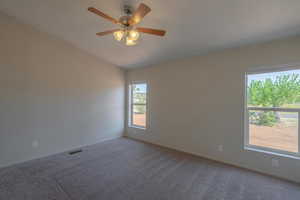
193, 27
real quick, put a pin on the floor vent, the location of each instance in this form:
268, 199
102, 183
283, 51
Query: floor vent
75, 151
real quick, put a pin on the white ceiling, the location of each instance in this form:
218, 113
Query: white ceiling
193, 26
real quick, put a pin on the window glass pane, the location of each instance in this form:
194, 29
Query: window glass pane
276, 130
139, 115
275, 89
139, 93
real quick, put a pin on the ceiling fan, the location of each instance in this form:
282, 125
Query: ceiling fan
128, 31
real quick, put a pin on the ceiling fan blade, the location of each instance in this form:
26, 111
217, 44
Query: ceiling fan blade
107, 32
101, 14
139, 14
151, 31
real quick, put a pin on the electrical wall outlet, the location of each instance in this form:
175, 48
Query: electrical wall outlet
220, 148
275, 162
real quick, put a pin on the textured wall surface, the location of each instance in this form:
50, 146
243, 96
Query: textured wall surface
54, 97
197, 104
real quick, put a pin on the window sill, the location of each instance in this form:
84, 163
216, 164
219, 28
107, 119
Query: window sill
137, 127
260, 150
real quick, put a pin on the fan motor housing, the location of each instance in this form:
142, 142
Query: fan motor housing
125, 20
128, 12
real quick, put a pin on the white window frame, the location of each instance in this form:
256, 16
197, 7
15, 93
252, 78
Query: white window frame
247, 145
130, 105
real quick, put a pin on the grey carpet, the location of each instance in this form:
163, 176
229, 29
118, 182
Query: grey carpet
124, 169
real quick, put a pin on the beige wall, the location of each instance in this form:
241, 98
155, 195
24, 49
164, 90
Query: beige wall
53, 96
196, 104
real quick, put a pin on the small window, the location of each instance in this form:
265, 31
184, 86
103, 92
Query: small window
138, 105
272, 112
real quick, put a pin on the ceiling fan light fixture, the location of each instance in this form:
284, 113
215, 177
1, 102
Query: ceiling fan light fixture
118, 35
130, 42
133, 35
128, 32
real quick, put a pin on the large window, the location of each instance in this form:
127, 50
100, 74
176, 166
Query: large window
272, 112
138, 105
